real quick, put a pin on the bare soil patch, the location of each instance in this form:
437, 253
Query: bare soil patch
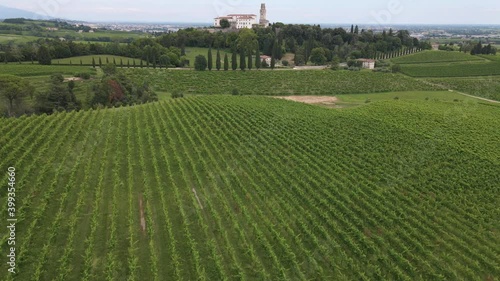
73, 79
319, 100
143, 219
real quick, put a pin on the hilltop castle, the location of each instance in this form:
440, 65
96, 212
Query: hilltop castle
239, 21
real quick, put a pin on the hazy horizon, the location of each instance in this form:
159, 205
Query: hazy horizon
362, 12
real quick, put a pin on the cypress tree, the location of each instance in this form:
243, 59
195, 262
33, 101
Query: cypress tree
242, 60
356, 30
226, 62
234, 63
352, 28
257, 59
100, 62
128, 64
133, 63
210, 59
250, 60
217, 63
141, 64
114, 61
121, 62
43, 56
273, 63
81, 62
107, 60
93, 62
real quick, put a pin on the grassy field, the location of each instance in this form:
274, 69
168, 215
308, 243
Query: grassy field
434, 57
491, 57
223, 188
485, 87
41, 70
87, 60
11, 38
276, 82
456, 69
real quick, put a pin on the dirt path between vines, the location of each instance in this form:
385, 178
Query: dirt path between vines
143, 219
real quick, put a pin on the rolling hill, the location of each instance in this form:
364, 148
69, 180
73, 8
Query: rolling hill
9, 12
256, 188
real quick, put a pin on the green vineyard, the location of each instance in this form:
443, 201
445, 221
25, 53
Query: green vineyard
256, 188
436, 57
307, 82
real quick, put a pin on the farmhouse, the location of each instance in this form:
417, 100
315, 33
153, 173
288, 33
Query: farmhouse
267, 59
239, 21
367, 63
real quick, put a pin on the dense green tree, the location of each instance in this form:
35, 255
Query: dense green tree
356, 30
226, 62
58, 97
247, 40
224, 23
210, 63
44, 56
257, 59
165, 60
109, 69
218, 59
273, 63
318, 56
234, 63
200, 63
250, 61
242, 60
13, 89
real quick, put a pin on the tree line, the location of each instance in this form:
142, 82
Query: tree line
113, 89
300, 40
275, 41
44, 50
248, 60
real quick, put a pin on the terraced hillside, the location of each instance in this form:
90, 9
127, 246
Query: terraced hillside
254, 188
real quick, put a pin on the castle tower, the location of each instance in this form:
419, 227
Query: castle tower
263, 16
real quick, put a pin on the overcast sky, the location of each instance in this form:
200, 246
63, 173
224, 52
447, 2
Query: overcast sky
310, 11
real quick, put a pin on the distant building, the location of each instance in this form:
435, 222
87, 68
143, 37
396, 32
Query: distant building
267, 59
367, 63
263, 16
239, 21
52, 28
